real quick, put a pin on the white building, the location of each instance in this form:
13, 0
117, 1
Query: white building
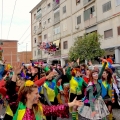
61, 21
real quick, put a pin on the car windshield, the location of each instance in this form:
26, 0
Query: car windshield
117, 70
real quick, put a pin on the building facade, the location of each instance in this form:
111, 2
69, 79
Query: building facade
61, 21
25, 56
9, 51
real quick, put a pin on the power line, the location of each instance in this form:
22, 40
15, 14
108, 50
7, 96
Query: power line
11, 19
26, 38
2, 19
24, 33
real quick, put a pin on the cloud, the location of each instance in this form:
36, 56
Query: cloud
21, 20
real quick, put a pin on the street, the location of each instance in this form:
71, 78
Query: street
116, 113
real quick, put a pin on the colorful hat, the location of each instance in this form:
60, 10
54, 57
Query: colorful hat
46, 69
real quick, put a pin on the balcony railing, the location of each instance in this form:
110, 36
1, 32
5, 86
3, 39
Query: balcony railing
56, 5
39, 31
57, 53
38, 16
56, 20
56, 36
90, 22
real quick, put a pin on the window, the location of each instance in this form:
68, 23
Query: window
89, 13
57, 30
34, 27
49, 5
107, 6
35, 52
108, 33
65, 44
64, 9
117, 2
57, 17
49, 20
45, 36
78, 20
77, 2
38, 51
34, 16
118, 30
34, 40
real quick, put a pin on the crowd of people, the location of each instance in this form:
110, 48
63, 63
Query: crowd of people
44, 92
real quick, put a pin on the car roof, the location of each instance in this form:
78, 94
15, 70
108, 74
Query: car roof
114, 65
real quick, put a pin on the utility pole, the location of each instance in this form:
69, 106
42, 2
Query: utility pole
26, 53
11, 58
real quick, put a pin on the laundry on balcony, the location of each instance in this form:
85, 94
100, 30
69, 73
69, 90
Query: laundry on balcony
57, 1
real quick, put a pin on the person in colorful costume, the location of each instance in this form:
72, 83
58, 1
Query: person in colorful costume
107, 90
94, 107
76, 89
29, 107
11, 93
51, 91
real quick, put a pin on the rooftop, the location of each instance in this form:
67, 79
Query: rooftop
38, 5
3, 40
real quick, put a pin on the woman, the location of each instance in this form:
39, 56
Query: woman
29, 107
106, 85
51, 92
94, 107
11, 92
86, 77
76, 89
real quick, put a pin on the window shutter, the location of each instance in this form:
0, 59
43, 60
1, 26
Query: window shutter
119, 30
78, 20
64, 9
86, 14
108, 33
107, 6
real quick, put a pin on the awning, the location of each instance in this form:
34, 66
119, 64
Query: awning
91, 29
57, 43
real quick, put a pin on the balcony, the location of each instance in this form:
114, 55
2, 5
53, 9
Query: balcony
38, 16
56, 36
56, 5
90, 22
86, 2
39, 31
56, 20
55, 54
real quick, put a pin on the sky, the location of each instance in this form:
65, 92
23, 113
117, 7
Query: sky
20, 23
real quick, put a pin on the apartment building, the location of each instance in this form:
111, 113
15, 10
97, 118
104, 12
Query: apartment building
61, 21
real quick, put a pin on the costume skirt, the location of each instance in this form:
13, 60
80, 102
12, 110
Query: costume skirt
100, 108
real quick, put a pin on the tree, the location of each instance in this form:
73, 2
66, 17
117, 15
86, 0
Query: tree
86, 47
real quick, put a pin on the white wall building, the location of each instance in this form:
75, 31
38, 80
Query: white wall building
63, 21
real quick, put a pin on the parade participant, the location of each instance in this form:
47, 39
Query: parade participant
94, 107
107, 89
66, 85
86, 77
76, 89
12, 92
29, 107
51, 91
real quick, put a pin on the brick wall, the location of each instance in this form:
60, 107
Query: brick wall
9, 51
25, 57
